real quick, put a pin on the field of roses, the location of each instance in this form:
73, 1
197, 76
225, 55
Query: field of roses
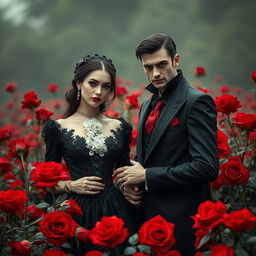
31, 226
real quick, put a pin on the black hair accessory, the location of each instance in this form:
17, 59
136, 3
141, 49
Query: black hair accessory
96, 56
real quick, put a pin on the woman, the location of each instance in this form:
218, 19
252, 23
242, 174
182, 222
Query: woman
92, 145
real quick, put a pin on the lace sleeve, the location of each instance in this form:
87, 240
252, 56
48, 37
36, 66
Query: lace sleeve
50, 134
126, 135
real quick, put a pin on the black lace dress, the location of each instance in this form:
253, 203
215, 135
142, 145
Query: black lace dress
63, 143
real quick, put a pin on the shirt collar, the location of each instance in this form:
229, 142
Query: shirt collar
170, 87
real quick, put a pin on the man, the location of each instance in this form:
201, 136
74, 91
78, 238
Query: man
176, 144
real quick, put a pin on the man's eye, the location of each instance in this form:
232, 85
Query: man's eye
162, 64
148, 68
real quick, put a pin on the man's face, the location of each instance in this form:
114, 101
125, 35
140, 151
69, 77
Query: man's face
159, 67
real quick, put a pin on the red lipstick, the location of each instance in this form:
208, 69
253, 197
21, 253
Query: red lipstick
96, 99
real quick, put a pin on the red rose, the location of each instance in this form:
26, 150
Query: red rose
73, 207
239, 220
18, 148
209, 215
94, 253
223, 147
224, 89
20, 248
16, 183
253, 76
5, 165
109, 232
11, 87
157, 233
12, 201
238, 90
57, 104
217, 184
82, 234
221, 250
5, 134
112, 114
139, 254
58, 226
30, 100
199, 71
119, 80
33, 212
132, 102
245, 121
169, 253
234, 172
43, 114
54, 252
48, 174
133, 138
52, 87
120, 91
227, 104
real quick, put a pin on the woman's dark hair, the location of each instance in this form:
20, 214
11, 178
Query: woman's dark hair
155, 42
87, 65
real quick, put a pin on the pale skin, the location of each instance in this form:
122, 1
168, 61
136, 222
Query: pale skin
160, 69
97, 85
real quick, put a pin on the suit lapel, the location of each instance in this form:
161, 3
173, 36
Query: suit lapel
142, 119
174, 104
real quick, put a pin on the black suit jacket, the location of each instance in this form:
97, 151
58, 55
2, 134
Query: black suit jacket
180, 160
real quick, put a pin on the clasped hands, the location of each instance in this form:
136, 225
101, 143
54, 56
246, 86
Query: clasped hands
128, 179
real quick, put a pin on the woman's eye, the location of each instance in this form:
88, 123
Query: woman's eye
107, 87
92, 83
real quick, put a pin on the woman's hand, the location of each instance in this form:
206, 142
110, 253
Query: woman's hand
90, 185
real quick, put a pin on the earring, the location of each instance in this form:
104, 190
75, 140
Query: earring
78, 94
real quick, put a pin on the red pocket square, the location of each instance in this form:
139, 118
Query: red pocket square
175, 121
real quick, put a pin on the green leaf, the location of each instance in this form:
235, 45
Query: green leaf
251, 240
61, 198
39, 236
42, 205
241, 252
129, 250
204, 240
34, 222
144, 248
66, 245
134, 239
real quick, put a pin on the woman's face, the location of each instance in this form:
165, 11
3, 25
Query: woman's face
95, 88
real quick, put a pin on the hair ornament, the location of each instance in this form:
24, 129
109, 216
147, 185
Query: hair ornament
88, 58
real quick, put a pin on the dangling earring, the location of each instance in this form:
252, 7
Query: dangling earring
78, 94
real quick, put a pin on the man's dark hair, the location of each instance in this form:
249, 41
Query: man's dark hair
155, 42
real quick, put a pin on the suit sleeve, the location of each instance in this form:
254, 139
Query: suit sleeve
203, 151
50, 134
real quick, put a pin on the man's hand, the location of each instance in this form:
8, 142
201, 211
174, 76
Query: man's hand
130, 175
133, 194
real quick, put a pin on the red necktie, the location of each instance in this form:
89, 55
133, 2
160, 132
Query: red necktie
153, 117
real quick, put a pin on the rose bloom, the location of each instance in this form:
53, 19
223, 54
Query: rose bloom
20, 248
200, 233
239, 220
5, 134
95, 253
18, 148
169, 253
16, 183
223, 147
43, 114
221, 250
52, 87
82, 234
11, 87
253, 76
199, 71
224, 89
58, 226
12, 201
48, 174
227, 104
158, 234
73, 207
54, 252
121, 90
217, 184
57, 104
30, 100
5, 165
33, 212
119, 80
234, 172
245, 121
132, 101
209, 215
112, 114
237, 90
109, 232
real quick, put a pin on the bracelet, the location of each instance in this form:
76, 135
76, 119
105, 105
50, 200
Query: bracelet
66, 187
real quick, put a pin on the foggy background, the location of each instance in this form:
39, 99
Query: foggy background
41, 40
